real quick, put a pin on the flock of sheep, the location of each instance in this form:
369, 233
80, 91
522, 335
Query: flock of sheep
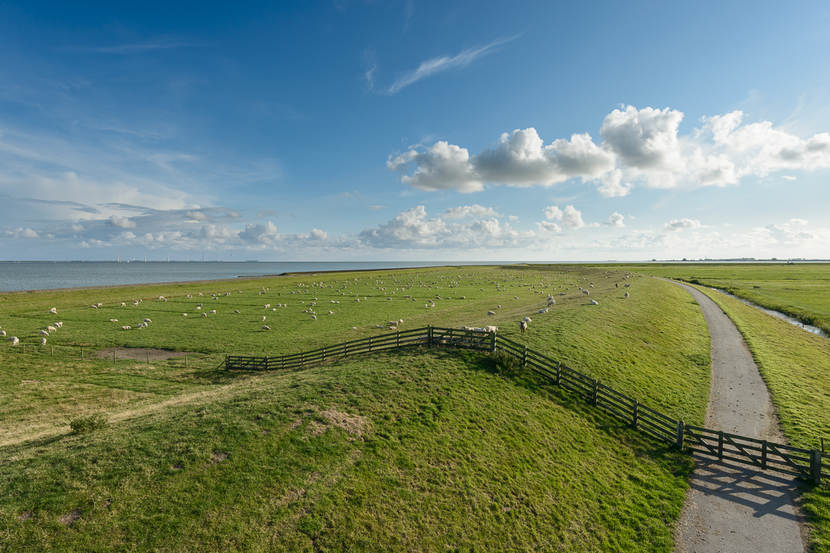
399, 287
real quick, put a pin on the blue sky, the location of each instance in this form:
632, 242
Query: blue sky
409, 130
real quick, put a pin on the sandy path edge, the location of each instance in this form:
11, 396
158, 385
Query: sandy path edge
737, 509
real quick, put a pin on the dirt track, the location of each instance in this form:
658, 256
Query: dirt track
737, 509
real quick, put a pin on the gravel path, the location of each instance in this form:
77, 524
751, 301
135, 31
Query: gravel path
736, 509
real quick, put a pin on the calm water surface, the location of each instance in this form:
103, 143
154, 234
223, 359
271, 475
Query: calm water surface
40, 275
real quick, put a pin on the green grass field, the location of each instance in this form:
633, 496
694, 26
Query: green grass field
801, 290
409, 450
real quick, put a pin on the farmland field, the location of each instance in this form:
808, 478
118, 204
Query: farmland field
801, 290
374, 452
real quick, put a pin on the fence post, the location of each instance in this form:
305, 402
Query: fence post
764, 455
720, 444
595, 392
492, 342
635, 415
558, 372
283, 360
815, 465
429, 335
82, 352
397, 339
679, 439
227, 363
302, 358
324, 354
266, 362
370, 343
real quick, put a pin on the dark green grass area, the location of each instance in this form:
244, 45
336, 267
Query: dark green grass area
801, 290
417, 450
796, 368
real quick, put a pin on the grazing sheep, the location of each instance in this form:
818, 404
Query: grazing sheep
51, 328
148, 320
527, 320
627, 285
491, 312
263, 318
266, 327
59, 324
491, 328
627, 294
551, 301
545, 310
184, 314
198, 308
123, 304
204, 315
14, 340
314, 317
2, 332
236, 311
162, 298
594, 302
113, 320
331, 312
43, 341
267, 306
53, 310
522, 326
94, 306
586, 293
126, 327
44, 332
213, 312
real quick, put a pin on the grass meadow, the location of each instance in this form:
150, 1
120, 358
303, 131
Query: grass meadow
801, 290
410, 450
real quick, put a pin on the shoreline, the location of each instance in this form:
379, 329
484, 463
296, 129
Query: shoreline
233, 279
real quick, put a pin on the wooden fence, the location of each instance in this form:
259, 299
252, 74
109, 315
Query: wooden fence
705, 442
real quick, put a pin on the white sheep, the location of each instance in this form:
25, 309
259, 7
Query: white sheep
184, 314
491, 312
594, 302
527, 320
148, 320
2, 332
627, 294
123, 304
491, 328
113, 320
267, 306
43, 341
126, 327
198, 308
266, 327
236, 311
522, 326
204, 315
263, 318
51, 328
59, 324
314, 317
213, 312
162, 298
53, 310
586, 293
44, 332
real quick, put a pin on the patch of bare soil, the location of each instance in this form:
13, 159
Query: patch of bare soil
218, 457
140, 354
26, 515
353, 424
70, 518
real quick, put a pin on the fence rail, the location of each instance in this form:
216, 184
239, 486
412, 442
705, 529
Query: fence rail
704, 442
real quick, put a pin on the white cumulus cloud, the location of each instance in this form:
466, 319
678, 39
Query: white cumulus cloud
638, 147
681, 224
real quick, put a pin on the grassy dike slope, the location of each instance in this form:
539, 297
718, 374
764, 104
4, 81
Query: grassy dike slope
796, 367
431, 451
417, 450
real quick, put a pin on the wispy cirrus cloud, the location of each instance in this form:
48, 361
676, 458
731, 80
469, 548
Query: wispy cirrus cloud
440, 64
160, 43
